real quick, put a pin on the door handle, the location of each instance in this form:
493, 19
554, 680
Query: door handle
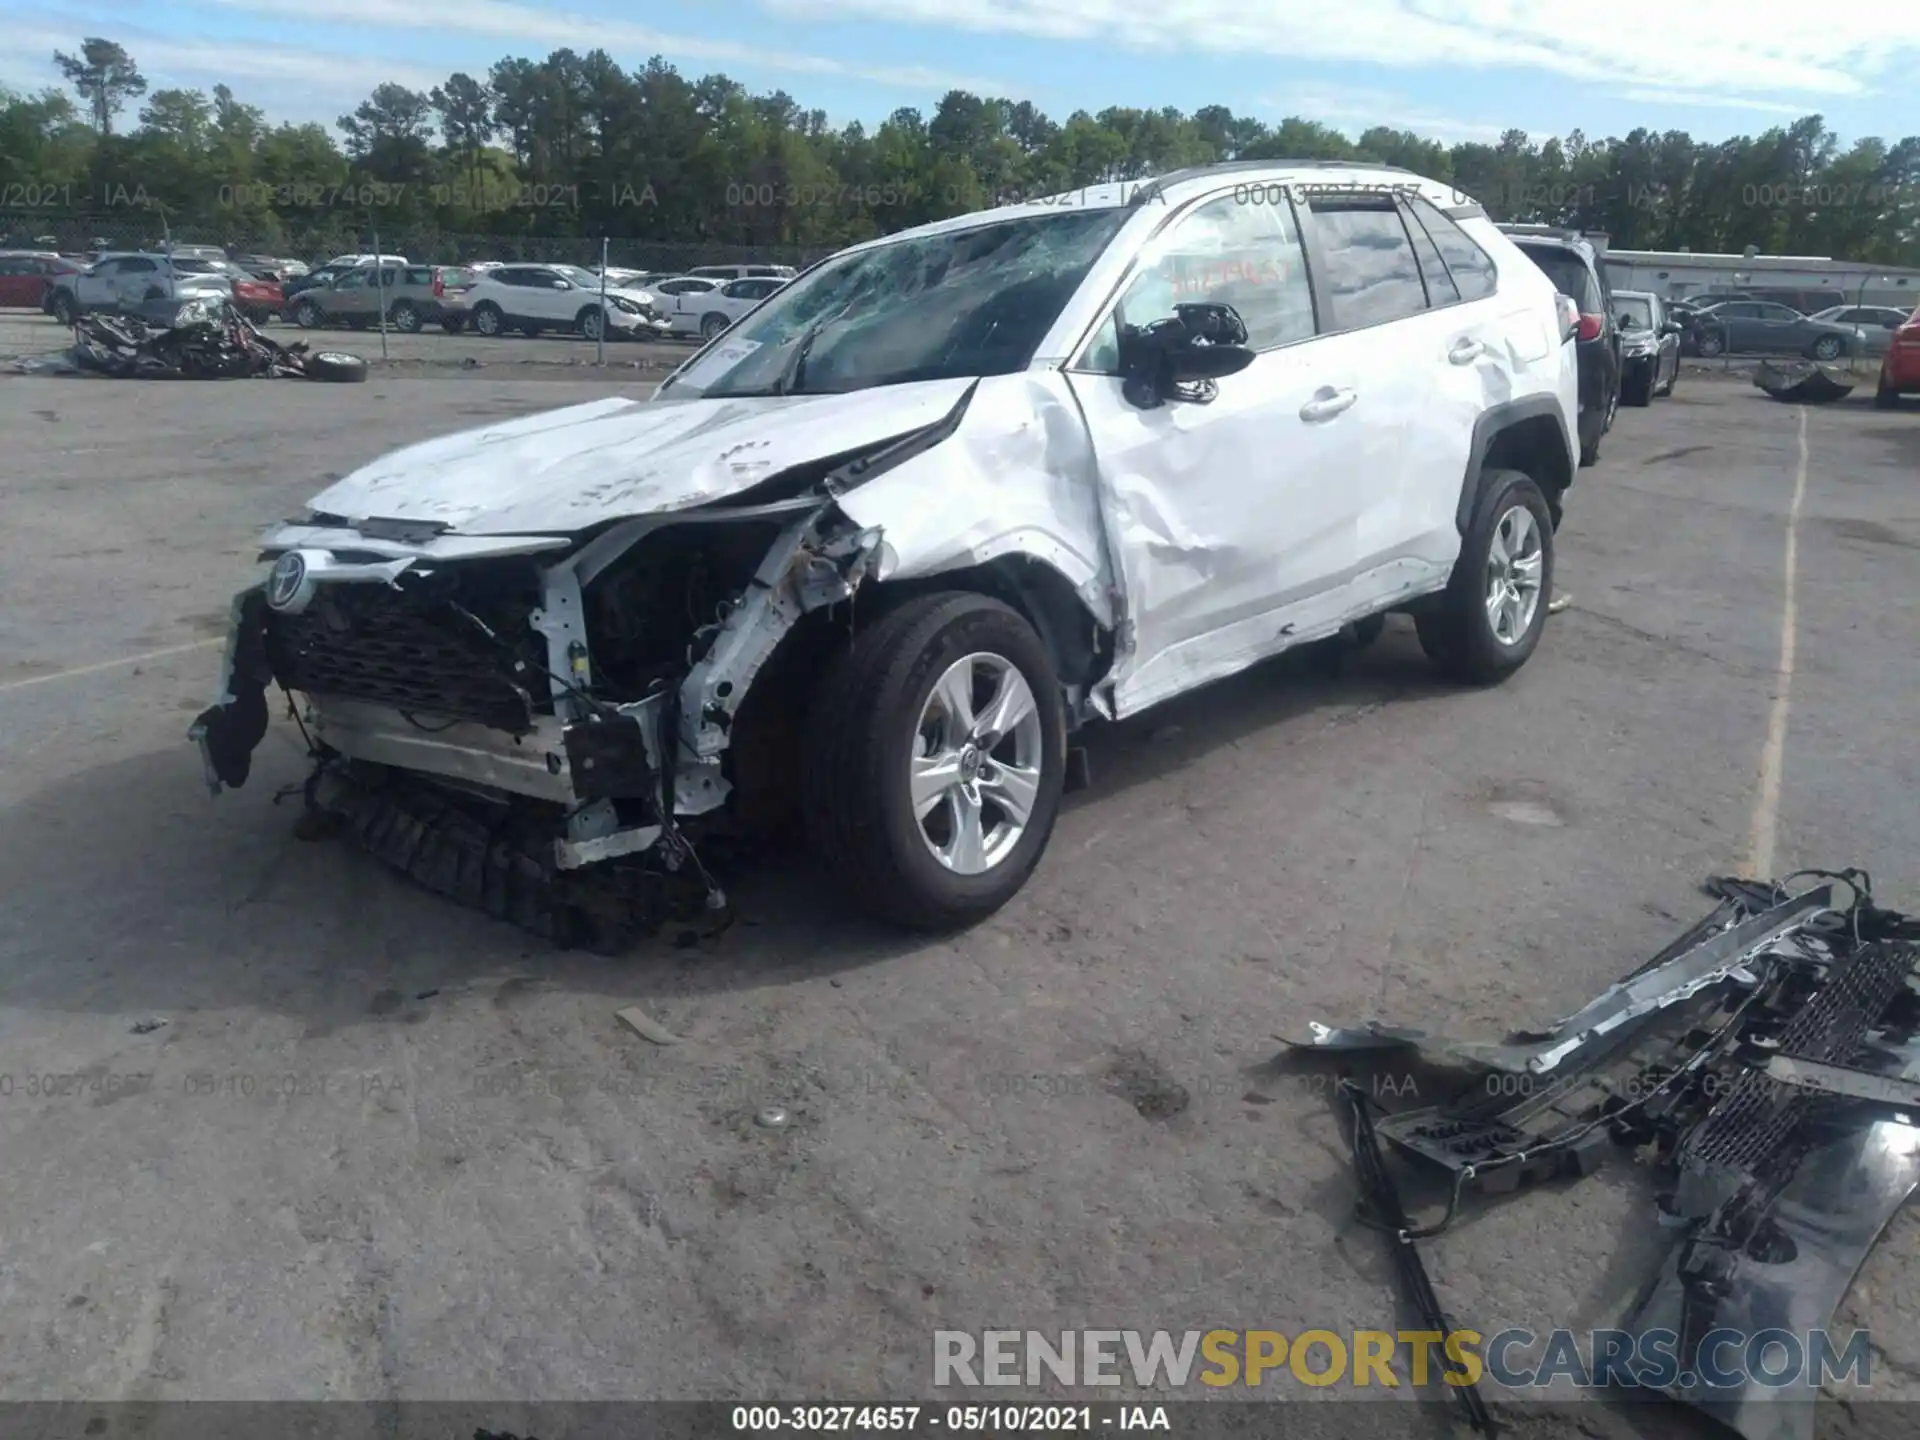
1327, 404
1465, 352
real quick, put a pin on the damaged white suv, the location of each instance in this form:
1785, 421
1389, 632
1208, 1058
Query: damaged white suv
873, 555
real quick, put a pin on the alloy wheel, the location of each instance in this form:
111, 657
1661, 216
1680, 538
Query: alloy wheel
976, 763
1514, 564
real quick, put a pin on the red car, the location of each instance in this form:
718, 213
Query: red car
25, 275
253, 297
1900, 370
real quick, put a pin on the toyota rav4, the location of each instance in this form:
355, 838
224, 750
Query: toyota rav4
871, 557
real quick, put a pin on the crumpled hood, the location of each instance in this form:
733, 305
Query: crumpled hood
566, 470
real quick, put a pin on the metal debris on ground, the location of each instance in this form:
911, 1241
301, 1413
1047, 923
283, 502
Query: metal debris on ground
1767, 1061
200, 339
145, 1027
645, 1026
1803, 382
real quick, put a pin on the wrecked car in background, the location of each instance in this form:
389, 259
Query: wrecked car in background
871, 556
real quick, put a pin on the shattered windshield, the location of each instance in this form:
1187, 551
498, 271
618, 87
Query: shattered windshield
967, 302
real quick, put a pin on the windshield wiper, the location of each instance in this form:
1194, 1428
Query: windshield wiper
790, 376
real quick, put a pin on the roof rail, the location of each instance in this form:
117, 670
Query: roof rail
1218, 167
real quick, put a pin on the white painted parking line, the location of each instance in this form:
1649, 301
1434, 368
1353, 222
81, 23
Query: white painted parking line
1766, 801
109, 665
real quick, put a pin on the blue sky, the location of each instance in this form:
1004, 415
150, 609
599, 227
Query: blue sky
1452, 69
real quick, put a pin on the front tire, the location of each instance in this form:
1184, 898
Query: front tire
1886, 397
936, 755
64, 309
488, 319
1711, 346
1827, 347
1639, 389
1488, 621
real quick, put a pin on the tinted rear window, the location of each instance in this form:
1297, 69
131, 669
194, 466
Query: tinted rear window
1568, 272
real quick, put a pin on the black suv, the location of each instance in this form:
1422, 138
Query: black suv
1572, 263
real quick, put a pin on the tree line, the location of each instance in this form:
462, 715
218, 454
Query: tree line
541, 158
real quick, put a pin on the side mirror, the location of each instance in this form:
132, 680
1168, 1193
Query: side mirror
1181, 357
1673, 327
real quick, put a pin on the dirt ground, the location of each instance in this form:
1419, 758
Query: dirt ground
387, 1149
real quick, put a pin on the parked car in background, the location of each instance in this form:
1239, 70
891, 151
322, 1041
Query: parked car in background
1099, 455
537, 298
1649, 346
256, 298
349, 261
1900, 366
683, 300
742, 272
720, 307
122, 281
25, 277
415, 296
452, 284
1877, 324
1762, 327
1575, 269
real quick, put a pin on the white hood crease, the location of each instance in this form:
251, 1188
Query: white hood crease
568, 470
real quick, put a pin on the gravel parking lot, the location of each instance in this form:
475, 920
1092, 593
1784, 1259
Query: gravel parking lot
392, 1150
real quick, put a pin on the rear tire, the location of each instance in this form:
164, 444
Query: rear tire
64, 309
1711, 346
1458, 632
868, 732
306, 315
712, 326
404, 318
453, 327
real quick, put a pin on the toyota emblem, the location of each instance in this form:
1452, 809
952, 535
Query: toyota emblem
287, 580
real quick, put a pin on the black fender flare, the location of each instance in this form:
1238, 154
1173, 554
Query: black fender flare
1488, 428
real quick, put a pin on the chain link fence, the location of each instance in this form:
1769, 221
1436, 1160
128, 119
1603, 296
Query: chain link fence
127, 229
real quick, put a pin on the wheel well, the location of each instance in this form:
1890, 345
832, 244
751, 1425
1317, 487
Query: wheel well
1536, 448
762, 756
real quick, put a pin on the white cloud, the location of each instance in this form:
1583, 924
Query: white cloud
1718, 102
1705, 47
630, 43
1353, 111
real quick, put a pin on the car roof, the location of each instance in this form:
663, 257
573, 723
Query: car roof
1178, 186
1635, 295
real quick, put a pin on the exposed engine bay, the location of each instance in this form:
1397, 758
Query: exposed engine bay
517, 729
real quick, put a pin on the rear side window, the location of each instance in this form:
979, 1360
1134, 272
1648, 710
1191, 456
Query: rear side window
421, 276
1473, 272
1440, 287
1373, 274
